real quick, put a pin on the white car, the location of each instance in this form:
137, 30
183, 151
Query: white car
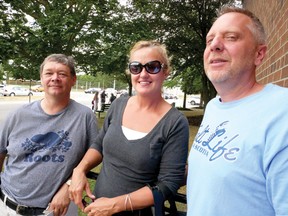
16, 91
92, 90
110, 91
169, 96
195, 100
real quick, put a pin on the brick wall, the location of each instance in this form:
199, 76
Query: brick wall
274, 16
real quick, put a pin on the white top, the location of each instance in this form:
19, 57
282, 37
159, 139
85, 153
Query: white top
132, 134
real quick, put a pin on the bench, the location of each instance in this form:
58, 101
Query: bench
170, 209
104, 108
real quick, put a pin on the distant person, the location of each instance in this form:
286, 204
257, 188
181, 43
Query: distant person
143, 144
41, 144
103, 99
95, 101
238, 162
112, 98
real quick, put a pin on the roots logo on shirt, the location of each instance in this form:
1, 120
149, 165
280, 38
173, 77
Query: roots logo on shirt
49, 144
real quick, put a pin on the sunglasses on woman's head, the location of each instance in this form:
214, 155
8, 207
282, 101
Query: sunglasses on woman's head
152, 67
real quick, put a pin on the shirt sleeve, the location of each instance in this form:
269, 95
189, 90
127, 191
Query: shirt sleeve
174, 156
277, 181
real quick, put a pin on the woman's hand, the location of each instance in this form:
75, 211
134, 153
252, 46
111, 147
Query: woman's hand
79, 184
136, 200
102, 207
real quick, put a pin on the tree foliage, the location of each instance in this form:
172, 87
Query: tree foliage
97, 33
100, 33
35, 29
182, 25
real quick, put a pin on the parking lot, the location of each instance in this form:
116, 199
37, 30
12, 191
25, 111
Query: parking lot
7, 104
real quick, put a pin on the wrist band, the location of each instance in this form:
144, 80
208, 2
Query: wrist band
128, 199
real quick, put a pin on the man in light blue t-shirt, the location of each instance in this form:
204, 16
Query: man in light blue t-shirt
238, 163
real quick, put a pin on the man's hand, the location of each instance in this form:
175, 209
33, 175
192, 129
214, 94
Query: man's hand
60, 201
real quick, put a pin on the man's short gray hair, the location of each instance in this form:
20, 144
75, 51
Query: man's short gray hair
257, 28
60, 58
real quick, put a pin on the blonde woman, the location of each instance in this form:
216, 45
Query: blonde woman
143, 143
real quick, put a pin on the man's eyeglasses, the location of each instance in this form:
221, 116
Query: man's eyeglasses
152, 67
87, 201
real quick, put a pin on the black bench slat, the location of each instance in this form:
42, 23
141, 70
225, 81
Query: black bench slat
104, 108
92, 175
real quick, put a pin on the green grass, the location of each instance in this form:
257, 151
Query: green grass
192, 133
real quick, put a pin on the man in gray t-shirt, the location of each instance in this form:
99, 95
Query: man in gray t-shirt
42, 142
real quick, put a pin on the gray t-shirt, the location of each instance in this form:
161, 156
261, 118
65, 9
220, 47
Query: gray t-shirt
128, 165
43, 149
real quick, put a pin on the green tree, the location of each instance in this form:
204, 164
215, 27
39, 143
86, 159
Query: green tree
35, 29
97, 33
119, 31
100, 33
1, 73
182, 25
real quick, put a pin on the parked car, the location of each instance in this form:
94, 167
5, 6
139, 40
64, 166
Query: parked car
37, 88
169, 96
195, 100
122, 92
16, 91
92, 90
110, 91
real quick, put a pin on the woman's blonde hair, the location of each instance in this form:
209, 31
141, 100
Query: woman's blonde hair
161, 48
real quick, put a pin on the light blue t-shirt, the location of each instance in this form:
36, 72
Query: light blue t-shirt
238, 164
